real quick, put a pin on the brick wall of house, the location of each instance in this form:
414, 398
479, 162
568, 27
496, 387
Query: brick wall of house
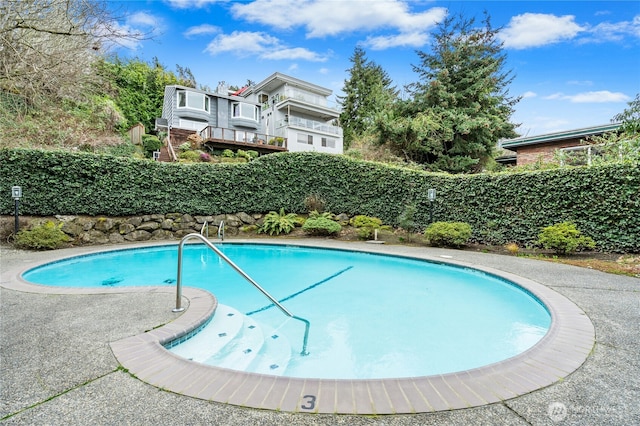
532, 153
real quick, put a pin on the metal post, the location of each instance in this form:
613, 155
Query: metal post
16, 193
17, 222
431, 195
430, 211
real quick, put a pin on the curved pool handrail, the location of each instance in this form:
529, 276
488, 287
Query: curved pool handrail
244, 275
221, 230
205, 229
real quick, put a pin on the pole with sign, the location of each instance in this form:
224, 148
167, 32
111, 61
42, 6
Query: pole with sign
431, 195
16, 193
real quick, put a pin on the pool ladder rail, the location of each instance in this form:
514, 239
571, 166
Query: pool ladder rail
205, 230
244, 275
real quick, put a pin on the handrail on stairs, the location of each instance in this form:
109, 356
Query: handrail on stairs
179, 307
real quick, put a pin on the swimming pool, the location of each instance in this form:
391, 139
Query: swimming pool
564, 348
371, 316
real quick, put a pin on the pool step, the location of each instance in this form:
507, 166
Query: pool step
240, 352
274, 356
236, 341
222, 329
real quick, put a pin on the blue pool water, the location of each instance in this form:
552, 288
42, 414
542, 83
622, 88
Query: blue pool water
372, 316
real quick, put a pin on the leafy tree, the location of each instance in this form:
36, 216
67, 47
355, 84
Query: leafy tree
368, 92
623, 145
47, 46
630, 117
460, 106
138, 87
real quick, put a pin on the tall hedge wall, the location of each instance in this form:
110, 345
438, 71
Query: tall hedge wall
603, 201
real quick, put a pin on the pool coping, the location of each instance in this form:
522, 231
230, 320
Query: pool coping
562, 350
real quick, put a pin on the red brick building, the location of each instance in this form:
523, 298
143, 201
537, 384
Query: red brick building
530, 149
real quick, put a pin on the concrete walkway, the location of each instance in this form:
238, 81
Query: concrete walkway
57, 367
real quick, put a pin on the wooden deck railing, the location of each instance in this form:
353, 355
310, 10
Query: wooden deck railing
234, 136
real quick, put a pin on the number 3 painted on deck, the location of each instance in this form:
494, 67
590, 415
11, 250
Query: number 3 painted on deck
311, 402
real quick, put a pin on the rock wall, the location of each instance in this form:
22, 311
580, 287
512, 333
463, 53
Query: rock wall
86, 230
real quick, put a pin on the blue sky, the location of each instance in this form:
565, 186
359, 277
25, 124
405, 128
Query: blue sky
576, 63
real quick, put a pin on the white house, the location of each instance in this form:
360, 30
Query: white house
281, 113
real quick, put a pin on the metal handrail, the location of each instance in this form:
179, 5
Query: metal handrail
205, 227
221, 230
179, 307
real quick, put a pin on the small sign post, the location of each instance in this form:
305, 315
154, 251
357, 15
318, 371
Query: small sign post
16, 193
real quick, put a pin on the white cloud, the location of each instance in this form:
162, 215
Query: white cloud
601, 96
324, 71
132, 31
537, 29
185, 4
242, 43
415, 39
323, 18
203, 29
265, 46
293, 53
142, 19
529, 94
608, 31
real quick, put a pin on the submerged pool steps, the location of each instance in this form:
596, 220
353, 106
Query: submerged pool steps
235, 341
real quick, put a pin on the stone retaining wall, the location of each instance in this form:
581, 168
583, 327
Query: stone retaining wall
86, 230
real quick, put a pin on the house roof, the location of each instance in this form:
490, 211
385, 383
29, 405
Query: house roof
277, 79
559, 136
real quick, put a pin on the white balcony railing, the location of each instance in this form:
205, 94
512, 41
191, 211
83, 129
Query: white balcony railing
318, 126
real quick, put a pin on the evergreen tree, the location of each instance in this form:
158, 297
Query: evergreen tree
460, 106
368, 92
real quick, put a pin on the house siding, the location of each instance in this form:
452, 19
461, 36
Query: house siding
544, 152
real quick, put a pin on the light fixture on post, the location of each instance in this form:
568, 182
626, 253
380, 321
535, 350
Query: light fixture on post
16, 193
431, 195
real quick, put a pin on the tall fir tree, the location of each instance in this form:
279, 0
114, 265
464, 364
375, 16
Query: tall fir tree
460, 106
368, 91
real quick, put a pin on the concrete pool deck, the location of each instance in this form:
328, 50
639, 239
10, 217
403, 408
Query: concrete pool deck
58, 362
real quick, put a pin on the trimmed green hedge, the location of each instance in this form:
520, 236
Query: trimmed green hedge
603, 201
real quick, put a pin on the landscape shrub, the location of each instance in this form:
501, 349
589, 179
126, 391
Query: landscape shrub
191, 156
45, 236
366, 225
448, 234
603, 201
278, 223
321, 225
564, 238
151, 143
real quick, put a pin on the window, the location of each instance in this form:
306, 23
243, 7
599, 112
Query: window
192, 124
305, 138
329, 142
246, 111
579, 155
193, 100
